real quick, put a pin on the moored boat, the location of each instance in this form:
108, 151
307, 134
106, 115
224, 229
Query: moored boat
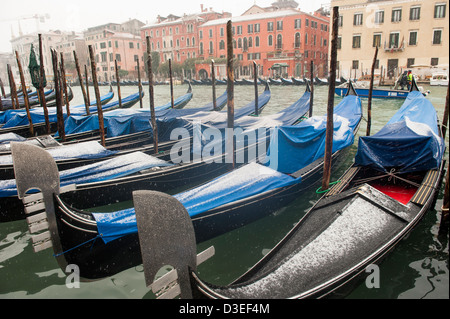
377, 203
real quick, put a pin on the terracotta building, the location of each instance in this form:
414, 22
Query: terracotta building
281, 39
177, 38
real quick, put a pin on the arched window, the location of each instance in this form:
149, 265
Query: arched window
256, 41
270, 40
201, 48
245, 44
250, 42
222, 44
239, 43
297, 40
279, 41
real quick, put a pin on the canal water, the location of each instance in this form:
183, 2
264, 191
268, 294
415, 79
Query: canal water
417, 268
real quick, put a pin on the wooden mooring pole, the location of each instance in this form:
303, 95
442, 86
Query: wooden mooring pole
151, 96
255, 84
311, 103
86, 75
41, 85
171, 83
25, 94
330, 107
80, 79
230, 93
97, 97
118, 84
13, 89
59, 112
64, 84
140, 83
369, 101
213, 79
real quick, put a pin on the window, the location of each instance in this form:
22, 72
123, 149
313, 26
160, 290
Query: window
355, 64
379, 17
200, 34
439, 10
394, 39
279, 41
358, 19
239, 29
257, 27
341, 21
257, 41
193, 41
437, 35
250, 28
297, 40
414, 13
201, 48
356, 44
102, 45
250, 42
270, 40
103, 55
210, 33
116, 43
396, 15
339, 43
222, 45
221, 32
211, 47
269, 26
279, 25
434, 61
410, 62
412, 38
245, 45
188, 42
376, 40
307, 22
240, 43
118, 58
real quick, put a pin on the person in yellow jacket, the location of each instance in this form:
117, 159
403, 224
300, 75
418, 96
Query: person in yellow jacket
409, 79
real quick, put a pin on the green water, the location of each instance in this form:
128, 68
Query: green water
417, 268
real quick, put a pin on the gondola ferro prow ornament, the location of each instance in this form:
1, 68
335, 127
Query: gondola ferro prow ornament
167, 237
36, 170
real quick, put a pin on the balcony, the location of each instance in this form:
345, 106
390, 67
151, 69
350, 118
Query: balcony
394, 47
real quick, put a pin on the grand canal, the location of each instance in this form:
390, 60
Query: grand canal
417, 268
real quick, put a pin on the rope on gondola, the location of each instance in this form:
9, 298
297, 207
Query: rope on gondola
82, 244
320, 191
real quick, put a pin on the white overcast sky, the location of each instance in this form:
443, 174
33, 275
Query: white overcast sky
78, 15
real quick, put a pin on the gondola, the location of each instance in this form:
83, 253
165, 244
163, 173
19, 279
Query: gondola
287, 81
243, 210
169, 175
298, 81
19, 123
377, 92
378, 201
32, 101
320, 81
126, 130
300, 107
275, 81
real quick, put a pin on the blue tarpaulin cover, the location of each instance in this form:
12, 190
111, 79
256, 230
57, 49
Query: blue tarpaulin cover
115, 167
409, 142
246, 181
126, 121
297, 146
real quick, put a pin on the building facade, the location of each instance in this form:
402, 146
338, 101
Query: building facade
177, 38
409, 34
116, 42
282, 42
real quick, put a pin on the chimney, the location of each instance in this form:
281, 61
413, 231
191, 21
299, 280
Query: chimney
201, 7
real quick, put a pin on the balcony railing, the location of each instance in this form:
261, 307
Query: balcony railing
394, 47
